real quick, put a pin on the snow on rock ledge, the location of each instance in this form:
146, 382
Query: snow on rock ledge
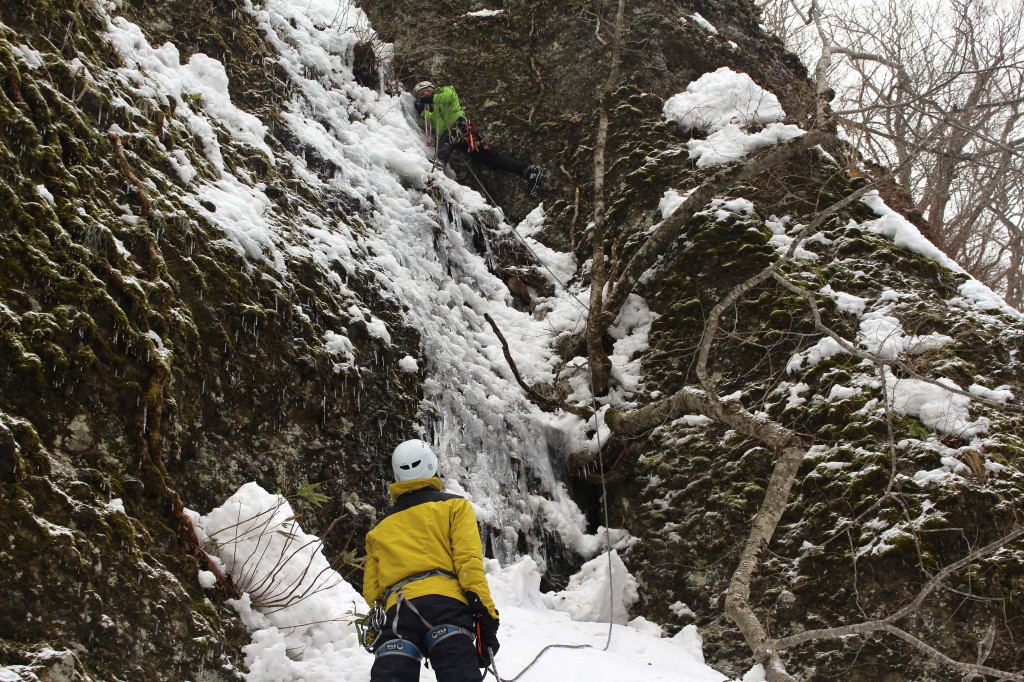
726, 104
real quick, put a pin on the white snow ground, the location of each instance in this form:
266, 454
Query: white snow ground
314, 640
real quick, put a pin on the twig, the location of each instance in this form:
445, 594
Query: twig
126, 170
887, 624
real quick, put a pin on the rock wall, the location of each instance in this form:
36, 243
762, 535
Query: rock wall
864, 530
145, 364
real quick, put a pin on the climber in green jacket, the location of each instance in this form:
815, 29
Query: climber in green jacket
449, 129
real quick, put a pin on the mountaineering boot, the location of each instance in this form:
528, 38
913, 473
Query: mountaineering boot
532, 175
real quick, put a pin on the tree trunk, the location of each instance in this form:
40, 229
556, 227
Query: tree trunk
599, 320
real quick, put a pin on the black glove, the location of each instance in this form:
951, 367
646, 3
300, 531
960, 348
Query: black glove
424, 103
486, 630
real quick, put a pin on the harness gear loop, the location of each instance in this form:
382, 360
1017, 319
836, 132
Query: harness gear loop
455, 135
475, 140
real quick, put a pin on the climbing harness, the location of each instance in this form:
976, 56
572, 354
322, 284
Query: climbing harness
435, 633
397, 587
465, 132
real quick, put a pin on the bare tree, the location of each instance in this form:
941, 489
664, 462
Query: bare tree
954, 74
601, 318
790, 448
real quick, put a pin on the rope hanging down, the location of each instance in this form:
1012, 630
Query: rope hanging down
493, 669
582, 306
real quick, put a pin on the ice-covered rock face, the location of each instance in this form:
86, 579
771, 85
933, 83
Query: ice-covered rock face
691, 487
223, 265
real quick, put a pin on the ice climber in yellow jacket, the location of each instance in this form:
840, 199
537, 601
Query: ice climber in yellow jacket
424, 562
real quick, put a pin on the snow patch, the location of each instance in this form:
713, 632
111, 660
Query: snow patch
937, 408
702, 22
903, 233
603, 591
847, 303
722, 98
732, 143
46, 195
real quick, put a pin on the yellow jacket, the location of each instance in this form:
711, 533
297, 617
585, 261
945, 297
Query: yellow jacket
426, 530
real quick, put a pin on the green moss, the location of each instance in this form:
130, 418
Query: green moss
854, 432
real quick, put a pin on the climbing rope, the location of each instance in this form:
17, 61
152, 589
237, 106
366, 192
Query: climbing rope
492, 667
559, 282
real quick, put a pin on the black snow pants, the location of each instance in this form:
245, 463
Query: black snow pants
454, 659
487, 157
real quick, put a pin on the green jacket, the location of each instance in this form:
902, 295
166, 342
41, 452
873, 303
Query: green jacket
446, 109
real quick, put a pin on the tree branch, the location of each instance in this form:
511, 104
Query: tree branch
544, 403
887, 624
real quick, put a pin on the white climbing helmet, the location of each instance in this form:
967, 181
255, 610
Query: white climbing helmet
420, 87
413, 459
